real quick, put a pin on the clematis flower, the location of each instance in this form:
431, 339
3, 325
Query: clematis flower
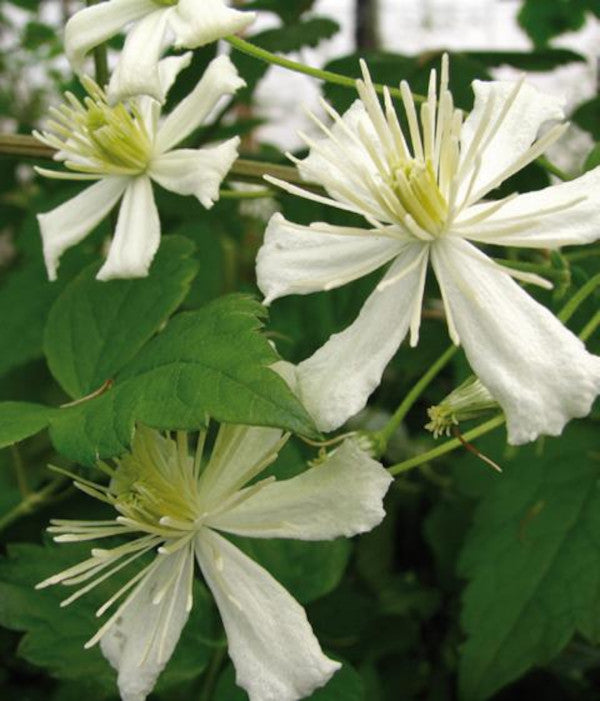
156, 24
175, 506
423, 195
125, 148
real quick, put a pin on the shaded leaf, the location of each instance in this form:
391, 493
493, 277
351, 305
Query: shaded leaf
532, 559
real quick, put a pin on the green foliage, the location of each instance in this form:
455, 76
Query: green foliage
543, 20
532, 559
19, 420
95, 328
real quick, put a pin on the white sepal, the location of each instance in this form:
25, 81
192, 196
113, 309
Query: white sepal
271, 643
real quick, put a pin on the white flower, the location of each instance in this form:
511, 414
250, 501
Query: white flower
124, 148
156, 24
423, 198
175, 506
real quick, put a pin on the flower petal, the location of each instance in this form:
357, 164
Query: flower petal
343, 162
70, 222
297, 259
503, 124
337, 380
195, 24
342, 496
560, 215
137, 235
239, 454
94, 25
168, 70
538, 371
220, 78
272, 646
142, 639
197, 172
137, 72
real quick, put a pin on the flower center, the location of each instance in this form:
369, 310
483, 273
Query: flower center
415, 185
94, 137
165, 3
156, 482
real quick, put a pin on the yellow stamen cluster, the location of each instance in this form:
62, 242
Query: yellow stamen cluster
415, 184
96, 138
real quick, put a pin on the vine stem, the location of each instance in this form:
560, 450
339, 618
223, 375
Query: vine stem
383, 436
31, 502
327, 76
447, 447
590, 327
245, 169
579, 298
100, 57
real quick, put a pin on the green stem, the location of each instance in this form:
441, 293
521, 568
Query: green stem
538, 268
382, 437
20, 471
100, 58
31, 503
588, 251
555, 170
327, 76
579, 298
447, 447
212, 673
590, 327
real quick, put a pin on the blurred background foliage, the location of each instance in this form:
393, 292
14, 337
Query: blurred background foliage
476, 586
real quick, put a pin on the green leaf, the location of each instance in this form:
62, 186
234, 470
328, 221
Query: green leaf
19, 420
345, 685
587, 116
543, 20
532, 559
540, 60
26, 296
95, 328
55, 636
593, 159
212, 362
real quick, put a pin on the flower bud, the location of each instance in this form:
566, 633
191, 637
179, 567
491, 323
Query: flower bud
468, 401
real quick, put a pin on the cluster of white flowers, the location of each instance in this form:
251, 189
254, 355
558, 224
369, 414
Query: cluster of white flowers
421, 191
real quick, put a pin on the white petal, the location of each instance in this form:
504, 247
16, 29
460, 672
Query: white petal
220, 78
503, 142
197, 172
197, 23
70, 222
137, 235
337, 380
94, 25
168, 70
342, 164
297, 259
560, 215
137, 72
342, 496
272, 646
535, 368
141, 641
238, 456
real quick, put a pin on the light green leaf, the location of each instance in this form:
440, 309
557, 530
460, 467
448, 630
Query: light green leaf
532, 560
19, 420
95, 328
212, 362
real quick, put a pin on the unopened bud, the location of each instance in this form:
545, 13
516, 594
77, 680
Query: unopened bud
468, 401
